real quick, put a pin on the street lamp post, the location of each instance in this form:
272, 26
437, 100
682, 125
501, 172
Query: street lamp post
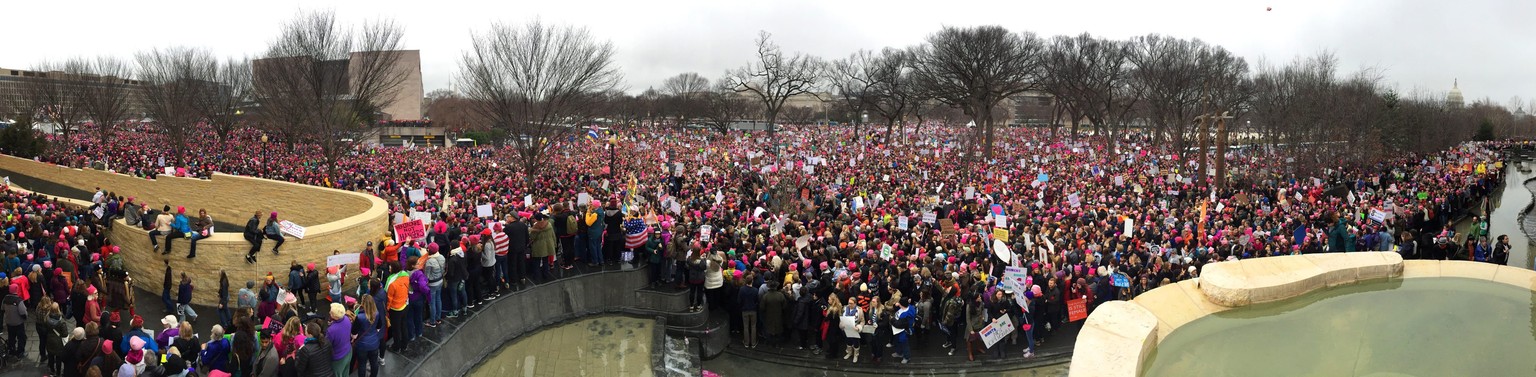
264, 148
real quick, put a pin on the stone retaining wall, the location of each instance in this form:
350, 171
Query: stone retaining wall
1119, 336
526, 311
334, 220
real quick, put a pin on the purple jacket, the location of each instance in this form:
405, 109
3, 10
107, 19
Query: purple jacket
340, 335
419, 286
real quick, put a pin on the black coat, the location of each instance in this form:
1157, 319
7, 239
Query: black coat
253, 228
312, 360
517, 236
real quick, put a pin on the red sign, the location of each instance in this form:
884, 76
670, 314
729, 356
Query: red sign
410, 230
1077, 310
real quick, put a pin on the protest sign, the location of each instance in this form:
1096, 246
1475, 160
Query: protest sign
947, 226
1077, 309
100, 211
423, 216
1000, 234
1378, 215
970, 192
1043, 177
930, 217
583, 198
528, 201
170, 171
704, 232
994, 332
342, 259
418, 195
1001, 250
1074, 200
410, 230
1016, 278
292, 229
1120, 280
901, 222
484, 210
802, 242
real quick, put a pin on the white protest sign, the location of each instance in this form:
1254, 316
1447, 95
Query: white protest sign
484, 210
704, 232
417, 195
995, 332
292, 229
930, 217
528, 201
901, 222
423, 216
342, 259
583, 198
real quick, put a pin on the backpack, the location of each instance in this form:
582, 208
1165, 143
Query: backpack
570, 223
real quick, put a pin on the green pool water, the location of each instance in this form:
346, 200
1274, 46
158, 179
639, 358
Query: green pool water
1403, 327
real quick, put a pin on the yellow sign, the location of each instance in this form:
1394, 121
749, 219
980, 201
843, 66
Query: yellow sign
1000, 234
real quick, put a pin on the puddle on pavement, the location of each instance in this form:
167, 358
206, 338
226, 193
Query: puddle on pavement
596, 346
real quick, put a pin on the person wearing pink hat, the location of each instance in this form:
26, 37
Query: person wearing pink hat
273, 231
436, 269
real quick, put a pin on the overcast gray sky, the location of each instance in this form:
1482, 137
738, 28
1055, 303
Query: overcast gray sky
1420, 45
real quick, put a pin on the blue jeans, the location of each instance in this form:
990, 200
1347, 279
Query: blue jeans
225, 319
436, 302
582, 247
367, 363
904, 346
415, 309
195, 236
1029, 337
504, 271
595, 248
459, 297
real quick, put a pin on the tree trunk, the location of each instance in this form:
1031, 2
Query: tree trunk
987, 132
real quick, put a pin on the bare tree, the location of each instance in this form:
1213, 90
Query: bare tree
775, 78
225, 111
685, 96
329, 81
855, 79
723, 106
106, 102
896, 92
180, 84
1180, 78
1090, 76
975, 68
52, 96
538, 82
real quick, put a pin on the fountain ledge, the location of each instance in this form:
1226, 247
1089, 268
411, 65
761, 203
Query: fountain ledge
1120, 335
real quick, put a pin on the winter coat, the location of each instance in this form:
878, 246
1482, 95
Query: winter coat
313, 360
517, 239
543, 239
773, 304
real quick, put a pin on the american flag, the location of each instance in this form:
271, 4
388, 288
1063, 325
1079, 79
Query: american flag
635, 233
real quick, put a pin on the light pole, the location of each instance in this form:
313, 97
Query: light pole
264, 149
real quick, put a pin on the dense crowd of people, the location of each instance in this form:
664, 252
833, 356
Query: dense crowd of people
842, 244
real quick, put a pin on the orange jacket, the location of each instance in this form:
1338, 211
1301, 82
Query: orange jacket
398, 290
392, 254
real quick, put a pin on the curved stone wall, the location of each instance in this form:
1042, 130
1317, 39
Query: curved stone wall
1119, 336
334, 220
520, 313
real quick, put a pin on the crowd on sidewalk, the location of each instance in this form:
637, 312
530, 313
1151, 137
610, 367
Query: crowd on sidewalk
851, 245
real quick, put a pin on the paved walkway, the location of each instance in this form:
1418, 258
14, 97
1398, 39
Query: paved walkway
928, 355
